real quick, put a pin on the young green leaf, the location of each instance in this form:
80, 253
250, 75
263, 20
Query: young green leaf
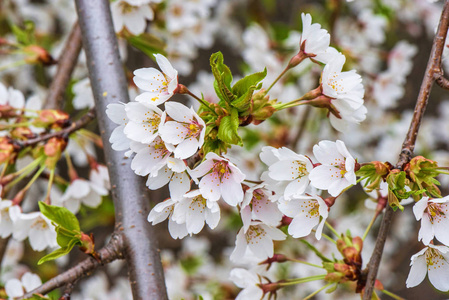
147, 43
223, 79
242, 86
59, 252
61, 216
227, 132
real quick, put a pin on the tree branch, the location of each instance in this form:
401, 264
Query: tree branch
129, 192
112, 251
433, 67
66, 64
442, 81
89, 116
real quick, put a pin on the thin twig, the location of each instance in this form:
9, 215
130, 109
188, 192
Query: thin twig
66, 64
112, 251
433, 67
67, 291
442, 81
83, 121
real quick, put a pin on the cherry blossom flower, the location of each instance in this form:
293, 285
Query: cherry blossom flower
343, 86
347, 116
99, 176
306, 211
132, 14
258, 240
6, 223
186, 131
158, 86
83, 94
164, 210
17, 288
249, 282
257, 205
433, 214
36, 227
175, 174
117, 114
143, 122
82, 191
314, 40
149, 159
294, 169
194, 210
336, 171
434, 261
221, 178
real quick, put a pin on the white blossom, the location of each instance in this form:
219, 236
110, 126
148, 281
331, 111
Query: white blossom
116, 113
186, 131
434, 216
164, 210
314, 40
434, 261
336, 171
143, 122
81, 191
158, 86
248, 281
221, 178
132, 14
17, 288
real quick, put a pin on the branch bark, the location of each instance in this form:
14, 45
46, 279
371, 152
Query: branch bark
66, 65
112, 251
129, 192
433, 68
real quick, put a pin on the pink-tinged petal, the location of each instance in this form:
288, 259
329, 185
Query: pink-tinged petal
162, 178
245, 214
274, 233
268, 213
302, 225
420, 207
202, 169
267, 155
173, 132
438, 273
195, 216
213, 218
231, 191
140, 133
338, 186
236, 174
177, 231
240, 247
146, 162
118, 139
261, 245
179, 112
165, 66
426, 232
326, 152
116, 113
440, 229
210, 187
323, 176
296, 187
179, 185
187, 148
161, 211
176, 165
418, 271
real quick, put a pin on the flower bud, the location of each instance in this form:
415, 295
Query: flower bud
7, 150
53, 150
51, 117
37, 54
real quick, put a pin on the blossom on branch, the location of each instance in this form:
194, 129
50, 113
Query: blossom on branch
186, 131
164, 210
158, 86
221, 179
434, 261
337, 169
434, 216
143, 122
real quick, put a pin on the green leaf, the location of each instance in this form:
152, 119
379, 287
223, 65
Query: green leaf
60, 215
24, 36
147, 43
223, 79
242, 86
227, 132
38, 297
58, 252
332, 289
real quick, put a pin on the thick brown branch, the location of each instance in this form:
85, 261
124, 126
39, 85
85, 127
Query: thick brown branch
442, 81
433, 67
129, 193
66, 65
83, 121
112, 251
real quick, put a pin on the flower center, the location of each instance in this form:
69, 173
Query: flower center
254, 234
335, 83
194, 129
221, 168
434, 258
302, 168
434, 210
126, 8
153, 120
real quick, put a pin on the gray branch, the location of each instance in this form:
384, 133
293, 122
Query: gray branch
129, 192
